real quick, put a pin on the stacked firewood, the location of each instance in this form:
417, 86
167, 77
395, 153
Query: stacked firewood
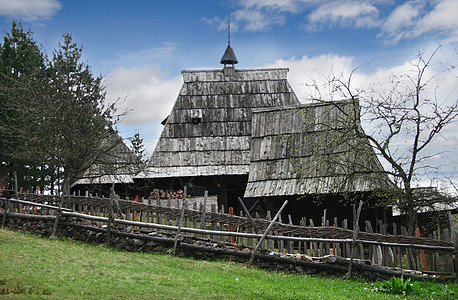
157, 193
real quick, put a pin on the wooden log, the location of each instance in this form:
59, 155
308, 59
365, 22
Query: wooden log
378, 270
265, 233
28, 216
79, 215
30, 203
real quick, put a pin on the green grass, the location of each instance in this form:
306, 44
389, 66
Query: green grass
35, 267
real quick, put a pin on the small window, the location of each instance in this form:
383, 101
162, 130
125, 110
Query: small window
196, 116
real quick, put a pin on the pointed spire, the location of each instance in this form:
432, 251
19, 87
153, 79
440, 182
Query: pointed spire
229, 55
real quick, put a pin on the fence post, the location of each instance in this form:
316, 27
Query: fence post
203, 225
5, 212
265, 233
110, 216
180, 221
247, 213
455, 242
59, 211
422, 252
355, 234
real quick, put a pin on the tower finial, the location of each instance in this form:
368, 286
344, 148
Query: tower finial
229, 31
229, 55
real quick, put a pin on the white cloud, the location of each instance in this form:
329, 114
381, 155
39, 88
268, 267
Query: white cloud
309, 76
30, 10
256, 20
396, 21
218, 23
414, 18
345, 14
145, 56
280, 5
402, 16
146, 92
443, 19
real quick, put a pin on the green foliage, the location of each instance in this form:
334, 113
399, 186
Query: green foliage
33, 267
22, 78
137, 146
53, 121
75, 111
398, 286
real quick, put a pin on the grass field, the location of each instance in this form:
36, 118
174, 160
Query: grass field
32, 267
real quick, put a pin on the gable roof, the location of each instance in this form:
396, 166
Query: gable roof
115, 163
311, 149
208, 131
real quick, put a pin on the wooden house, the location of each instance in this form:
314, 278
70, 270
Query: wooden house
115, 164
243, 133
312, 153
205, 142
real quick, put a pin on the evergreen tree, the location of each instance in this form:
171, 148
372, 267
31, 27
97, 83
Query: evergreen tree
137, 146
53, 121
77, 122
22, 84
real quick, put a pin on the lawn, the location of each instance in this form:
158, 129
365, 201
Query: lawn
35, 267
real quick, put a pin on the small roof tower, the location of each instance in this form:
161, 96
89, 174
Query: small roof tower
229, 55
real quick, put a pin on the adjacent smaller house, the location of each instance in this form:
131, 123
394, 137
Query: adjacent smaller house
311, 152
311, 149
115, 163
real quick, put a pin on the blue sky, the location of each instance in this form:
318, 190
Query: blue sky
140, 47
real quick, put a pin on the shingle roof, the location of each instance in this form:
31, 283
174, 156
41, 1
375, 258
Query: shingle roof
208, 131
116, 163
309, 149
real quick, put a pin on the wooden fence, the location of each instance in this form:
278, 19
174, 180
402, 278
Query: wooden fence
395, 249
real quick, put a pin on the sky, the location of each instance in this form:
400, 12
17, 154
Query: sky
140, 47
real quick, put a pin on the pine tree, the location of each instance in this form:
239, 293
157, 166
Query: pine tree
137, 146
22, 84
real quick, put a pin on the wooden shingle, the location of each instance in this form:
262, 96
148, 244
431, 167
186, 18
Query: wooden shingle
219, 142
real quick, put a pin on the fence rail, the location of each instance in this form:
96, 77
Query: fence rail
395, 250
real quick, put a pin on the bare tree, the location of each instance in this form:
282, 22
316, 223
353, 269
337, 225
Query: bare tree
401, 123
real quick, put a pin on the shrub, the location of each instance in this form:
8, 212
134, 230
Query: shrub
397, 285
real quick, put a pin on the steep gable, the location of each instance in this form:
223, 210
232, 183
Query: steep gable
208, 131
311, 149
